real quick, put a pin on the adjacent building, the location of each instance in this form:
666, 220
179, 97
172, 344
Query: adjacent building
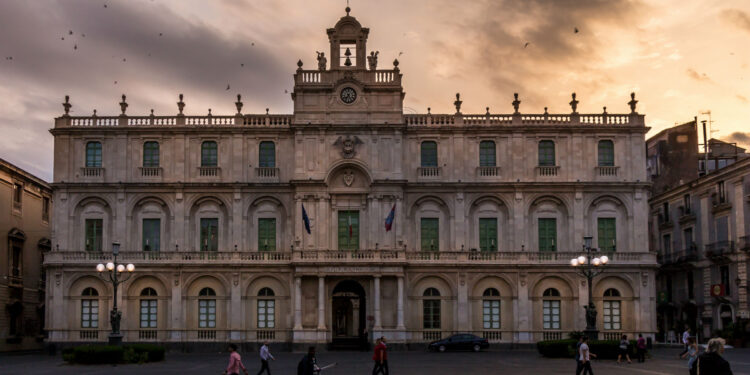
349, 217
699, 229
25, 211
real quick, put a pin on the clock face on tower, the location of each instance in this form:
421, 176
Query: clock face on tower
348, 95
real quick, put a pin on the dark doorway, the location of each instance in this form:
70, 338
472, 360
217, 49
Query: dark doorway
348, 315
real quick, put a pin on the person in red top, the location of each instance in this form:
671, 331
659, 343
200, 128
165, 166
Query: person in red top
235, 362
380, 356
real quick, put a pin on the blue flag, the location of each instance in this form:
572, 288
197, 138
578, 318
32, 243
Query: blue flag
305, 219
389, 219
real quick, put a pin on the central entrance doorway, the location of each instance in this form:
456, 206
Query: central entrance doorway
348, 312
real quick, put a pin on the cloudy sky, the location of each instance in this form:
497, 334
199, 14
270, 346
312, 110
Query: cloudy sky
682, 58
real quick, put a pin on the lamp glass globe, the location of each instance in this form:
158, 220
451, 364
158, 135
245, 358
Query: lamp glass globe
120, 268
100, 267
596, 261
604, 259
574, 262
130, 267
582, 259
110, 266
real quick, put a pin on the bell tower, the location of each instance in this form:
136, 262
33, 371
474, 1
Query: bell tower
348, 44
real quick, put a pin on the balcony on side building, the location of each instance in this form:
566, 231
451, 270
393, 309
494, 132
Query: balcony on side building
92, 172
607, 171
744, 243
547, 170
150, 172
209, 172
429, 173
687, 215
720, 250
488, 172
266, 174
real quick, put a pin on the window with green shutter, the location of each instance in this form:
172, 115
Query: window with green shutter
547, 234
209, 234
348, 230
94, 229
487, 154
607, 233
209, 154
151, 234
546, 153
606, 153
429, 154
429, 234
94, 154
267, 155
431, 309
488, 234
151, 154
267, 234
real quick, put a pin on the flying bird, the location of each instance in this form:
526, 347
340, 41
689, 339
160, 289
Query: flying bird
123, 60
63, 38
242, 64
160, 34
75, 46
400, 53
9, 58
105, 5
115, 82
70, 32
526, 45
83, 35
575, 30
252, 44
227, 86
286, 91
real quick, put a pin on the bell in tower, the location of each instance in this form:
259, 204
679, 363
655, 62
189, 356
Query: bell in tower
348, 43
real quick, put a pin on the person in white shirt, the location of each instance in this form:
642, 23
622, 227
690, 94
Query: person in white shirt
265, 355
685, 343
584, 365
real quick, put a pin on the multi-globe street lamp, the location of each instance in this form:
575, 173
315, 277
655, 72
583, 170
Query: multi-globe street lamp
114, 270
589, 266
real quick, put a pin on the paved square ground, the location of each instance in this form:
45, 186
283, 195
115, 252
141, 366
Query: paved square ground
526, 362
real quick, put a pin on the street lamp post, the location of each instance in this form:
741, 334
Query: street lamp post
589, 266
114, 270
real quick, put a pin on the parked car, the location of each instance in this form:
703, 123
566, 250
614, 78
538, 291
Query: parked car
461, 341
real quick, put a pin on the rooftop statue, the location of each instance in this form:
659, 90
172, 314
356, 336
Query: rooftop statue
322, 61
373, 60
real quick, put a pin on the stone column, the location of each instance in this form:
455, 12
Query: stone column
400, 304
178, 322
235, 313
462, 316
376, 304
298, 303
321, 303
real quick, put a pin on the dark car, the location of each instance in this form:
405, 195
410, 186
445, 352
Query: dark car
461, 341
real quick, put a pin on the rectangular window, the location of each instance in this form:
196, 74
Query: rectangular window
607, 233
546, 153
429, 154
45, 208
209, 154
17, 194
207, 313
669, 288
148, 313
722, 229
94, 155
487, 154
491, 314
348, 230
606, 153
267, 234
687, 237
612, 315
266, 313
724, 273
267, 155
547, 234
94, 229
551, 314
687, 203
429, 234
89, 313
722, 192
431, 314
691, 285
151, 154
488, 234
666, 244
151, 234
209, 234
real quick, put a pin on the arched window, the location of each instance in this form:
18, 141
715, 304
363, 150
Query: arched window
267, 155
429, 156
149, 308
491, 309
151, 154
266, 309
209, 154
206, 308
611, 310
546, 153
551, 309
94, 154
487, 154
606, 153
431, 309
90, 308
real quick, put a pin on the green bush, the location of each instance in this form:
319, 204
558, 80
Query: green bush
101, 354
567, 348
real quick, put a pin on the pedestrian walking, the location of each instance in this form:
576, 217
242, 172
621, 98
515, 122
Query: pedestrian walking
692, 353
623, 349
711, 361
235, 362
309, 364
584, 366
380, 357
577, 355
640, 346
685, 336
265, 355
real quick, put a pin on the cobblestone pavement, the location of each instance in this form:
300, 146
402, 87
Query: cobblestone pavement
526, 362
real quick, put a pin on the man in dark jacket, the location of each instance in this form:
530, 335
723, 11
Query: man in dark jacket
711, 362
308, 365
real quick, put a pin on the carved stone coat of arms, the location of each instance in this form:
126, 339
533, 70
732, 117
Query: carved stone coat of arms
348, 146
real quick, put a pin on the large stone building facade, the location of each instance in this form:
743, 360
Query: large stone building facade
25, 211
252, 227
